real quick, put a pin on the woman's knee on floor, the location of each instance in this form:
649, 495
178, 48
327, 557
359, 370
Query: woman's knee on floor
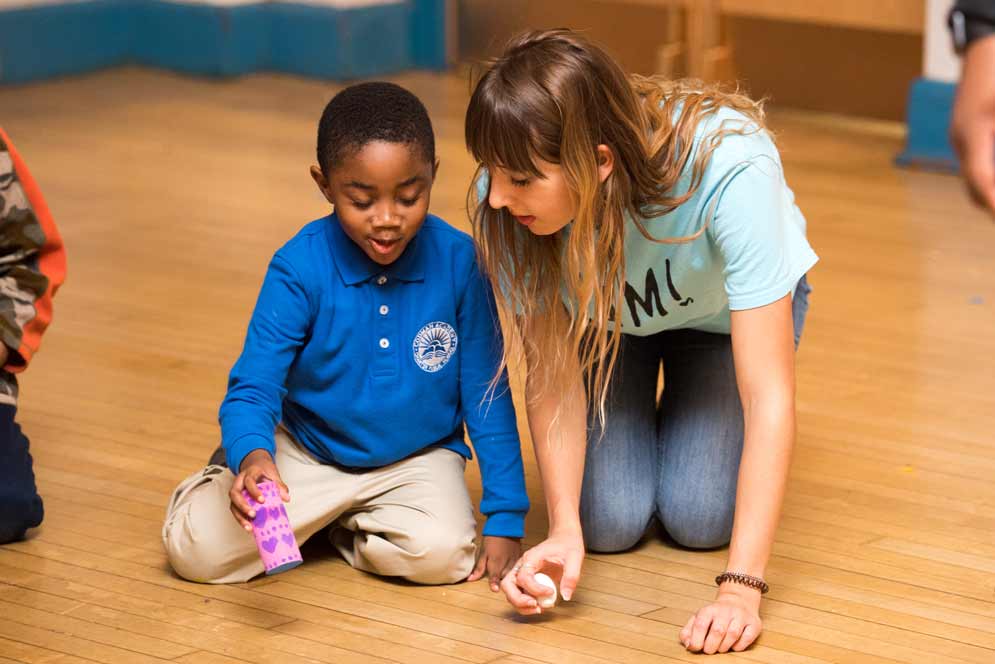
697, 522
614, 526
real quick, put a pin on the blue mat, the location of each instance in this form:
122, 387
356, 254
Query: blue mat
928, 117
40, 42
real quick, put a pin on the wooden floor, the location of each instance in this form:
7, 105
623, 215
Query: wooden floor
172, 193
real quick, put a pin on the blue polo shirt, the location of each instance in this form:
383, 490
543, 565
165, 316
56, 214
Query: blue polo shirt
366, 365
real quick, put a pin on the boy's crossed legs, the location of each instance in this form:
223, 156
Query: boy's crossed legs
412, 519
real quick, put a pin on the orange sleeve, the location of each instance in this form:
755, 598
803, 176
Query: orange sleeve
42, 268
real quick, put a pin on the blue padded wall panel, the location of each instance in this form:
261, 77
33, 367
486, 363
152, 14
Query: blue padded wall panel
325, 42
54, 40
202, 39
427, 29
321, 41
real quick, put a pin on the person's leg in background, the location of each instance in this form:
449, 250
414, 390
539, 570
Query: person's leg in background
21, 507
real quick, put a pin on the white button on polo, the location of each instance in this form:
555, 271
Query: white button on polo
381, 280
384, 343
384, 309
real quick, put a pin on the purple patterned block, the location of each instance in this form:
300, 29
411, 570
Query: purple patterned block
271, 528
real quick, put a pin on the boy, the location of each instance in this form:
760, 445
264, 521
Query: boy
374, 339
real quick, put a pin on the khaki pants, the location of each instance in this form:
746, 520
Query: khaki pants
411, 519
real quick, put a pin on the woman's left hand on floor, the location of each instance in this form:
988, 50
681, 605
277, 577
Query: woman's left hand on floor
731, 622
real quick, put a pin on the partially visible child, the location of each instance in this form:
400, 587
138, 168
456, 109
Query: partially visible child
373, 341
32, 267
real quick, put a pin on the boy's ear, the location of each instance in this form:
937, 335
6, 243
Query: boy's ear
322, 182
435, 169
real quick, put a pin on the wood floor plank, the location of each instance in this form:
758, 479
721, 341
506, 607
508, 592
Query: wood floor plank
495, 634
29, 654
984, 562
50, 612
247, 643
133, 591
201, 657
70, 644
235, 604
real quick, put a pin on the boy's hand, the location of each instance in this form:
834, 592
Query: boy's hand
496, 559
256, 466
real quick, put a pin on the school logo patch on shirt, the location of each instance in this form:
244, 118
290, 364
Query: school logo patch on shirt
434, 345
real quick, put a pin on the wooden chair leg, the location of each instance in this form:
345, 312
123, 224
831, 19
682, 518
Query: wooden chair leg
671, 58
694, 43
709, 54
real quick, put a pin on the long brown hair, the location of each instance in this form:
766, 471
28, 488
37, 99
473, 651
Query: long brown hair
554, 96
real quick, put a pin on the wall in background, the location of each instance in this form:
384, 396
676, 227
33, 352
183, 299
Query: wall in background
939, 62
339, 39
859, 72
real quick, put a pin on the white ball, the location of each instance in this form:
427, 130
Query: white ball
546, 601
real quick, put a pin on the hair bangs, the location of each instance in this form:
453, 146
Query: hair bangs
499, 131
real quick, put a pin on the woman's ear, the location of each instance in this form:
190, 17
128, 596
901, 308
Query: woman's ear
606, 162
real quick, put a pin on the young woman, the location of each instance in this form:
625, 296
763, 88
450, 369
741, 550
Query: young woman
630, 222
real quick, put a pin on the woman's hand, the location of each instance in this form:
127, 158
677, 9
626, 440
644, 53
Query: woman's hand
560, 556
731, 622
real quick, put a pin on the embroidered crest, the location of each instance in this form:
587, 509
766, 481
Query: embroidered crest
434, 345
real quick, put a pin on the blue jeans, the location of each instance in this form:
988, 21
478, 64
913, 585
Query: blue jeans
677, 461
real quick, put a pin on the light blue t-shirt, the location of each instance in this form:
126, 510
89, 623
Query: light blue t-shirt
752, 253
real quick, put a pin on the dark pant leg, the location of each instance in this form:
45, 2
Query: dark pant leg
20, 505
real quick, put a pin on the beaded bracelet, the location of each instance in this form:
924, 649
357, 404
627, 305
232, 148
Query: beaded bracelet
745, 579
